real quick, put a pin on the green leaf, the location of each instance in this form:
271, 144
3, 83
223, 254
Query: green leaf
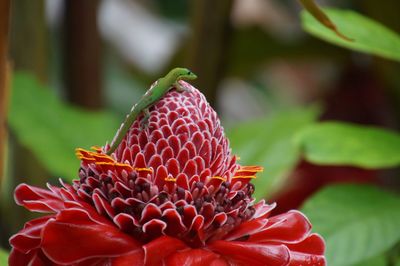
376, 261
268, 143
53, 129
337, 143
3, 257
368, 35
357, 222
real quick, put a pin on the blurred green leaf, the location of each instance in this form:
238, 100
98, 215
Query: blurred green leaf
53, 129
337, 143
3, 257
376, 261
358, 222
268, 143
368, 35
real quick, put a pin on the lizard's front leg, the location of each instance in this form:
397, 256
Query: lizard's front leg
145, 120
180, 88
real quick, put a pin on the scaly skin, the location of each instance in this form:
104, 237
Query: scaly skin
155, 93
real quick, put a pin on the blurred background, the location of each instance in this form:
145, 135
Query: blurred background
78, 66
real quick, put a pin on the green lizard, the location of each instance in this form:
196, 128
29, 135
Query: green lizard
155, 93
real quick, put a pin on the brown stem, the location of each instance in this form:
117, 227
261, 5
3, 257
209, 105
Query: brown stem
82, 53
209, 45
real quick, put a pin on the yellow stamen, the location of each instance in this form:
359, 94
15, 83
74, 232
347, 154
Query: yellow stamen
244, 176
219, 177
114, 164
96, 148
250, 168
144, 169
89, 155
83, 158
170, 179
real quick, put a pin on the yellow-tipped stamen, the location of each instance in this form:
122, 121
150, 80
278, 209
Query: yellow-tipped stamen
83, 158
219, 177
96, 148
114, 164
244, 176
170, 179
250, 168
144, 169
90, 156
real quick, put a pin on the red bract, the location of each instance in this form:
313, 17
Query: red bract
171, 194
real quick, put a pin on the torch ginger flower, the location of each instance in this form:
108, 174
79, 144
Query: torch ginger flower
171, 194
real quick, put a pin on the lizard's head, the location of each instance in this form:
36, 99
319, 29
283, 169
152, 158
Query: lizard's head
180, 73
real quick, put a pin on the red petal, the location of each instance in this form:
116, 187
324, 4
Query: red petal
160, 248
151, 211
37, 199
246, 229
125, 222
290, 227
263, 210
73, 236
190, 168
136, 258
252, 253
174, 222
154, 227
314, 244
173, 167
29, 237
301, 259
140, 162
194, 257
33, 258
175, 144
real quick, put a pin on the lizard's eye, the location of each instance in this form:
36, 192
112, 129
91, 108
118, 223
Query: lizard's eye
189, 73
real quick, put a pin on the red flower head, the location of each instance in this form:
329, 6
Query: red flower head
171, 194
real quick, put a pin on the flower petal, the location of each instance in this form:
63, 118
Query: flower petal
135, 258
37, 199
32, 258
290, 227
246, 229
194, 257
301, 259
252, 253
160, 248
73, 236
29, 237
313, 244
263, 210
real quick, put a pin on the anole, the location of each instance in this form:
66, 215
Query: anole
155, 93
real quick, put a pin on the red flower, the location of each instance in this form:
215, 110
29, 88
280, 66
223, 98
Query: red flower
171, 194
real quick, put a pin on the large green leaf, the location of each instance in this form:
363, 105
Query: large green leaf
376, 261
53, 129
368, 36
268, 143
3, 257
358, 222
337, 143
